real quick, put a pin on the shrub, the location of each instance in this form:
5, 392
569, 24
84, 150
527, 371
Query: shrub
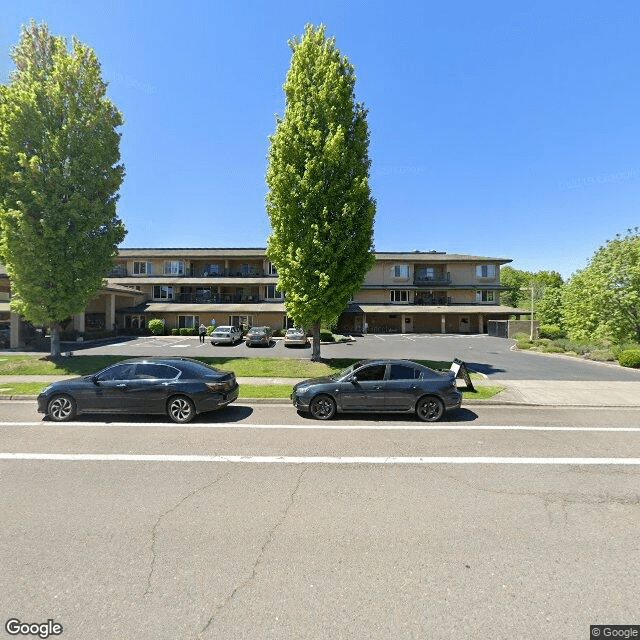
524, 344
210, 329
601, 355
175, 332
188, 331
552, 331
630, 358
156, 327
327, 336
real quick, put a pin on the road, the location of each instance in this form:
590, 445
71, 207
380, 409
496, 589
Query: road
492, 356
505, 522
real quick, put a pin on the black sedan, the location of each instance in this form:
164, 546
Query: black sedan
377, 386
177, 387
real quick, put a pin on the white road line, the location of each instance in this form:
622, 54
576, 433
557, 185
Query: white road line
321, 426
347, 460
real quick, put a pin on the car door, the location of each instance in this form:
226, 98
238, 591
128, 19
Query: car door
364, 391
148, 388
402, 390
110, 388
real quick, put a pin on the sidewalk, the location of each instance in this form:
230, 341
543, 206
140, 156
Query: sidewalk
516, 392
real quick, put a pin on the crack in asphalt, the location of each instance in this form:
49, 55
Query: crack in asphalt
154, 531
258, 560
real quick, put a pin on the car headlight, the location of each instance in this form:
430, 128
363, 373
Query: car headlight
47, 388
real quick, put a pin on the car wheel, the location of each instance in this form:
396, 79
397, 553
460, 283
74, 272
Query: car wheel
181, 409
430, 409
61, 408
322, 407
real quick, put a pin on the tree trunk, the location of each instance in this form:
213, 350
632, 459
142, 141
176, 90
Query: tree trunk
315, 330
55, 340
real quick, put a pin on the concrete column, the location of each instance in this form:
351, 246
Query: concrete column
78, 322
402, 330
365, 326
110, 312
480, 323
443, 323
15, 335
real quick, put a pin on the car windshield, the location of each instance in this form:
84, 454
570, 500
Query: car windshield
258, 330
222, 330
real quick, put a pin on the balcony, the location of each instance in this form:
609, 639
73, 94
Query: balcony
431, 300
428, 279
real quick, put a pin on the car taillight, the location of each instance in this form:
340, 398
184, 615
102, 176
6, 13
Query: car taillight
220, 386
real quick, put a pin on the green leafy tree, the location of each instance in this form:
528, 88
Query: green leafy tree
602, 300
59, 178
319, 201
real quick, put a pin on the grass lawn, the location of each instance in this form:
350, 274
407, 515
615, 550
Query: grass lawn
244, 367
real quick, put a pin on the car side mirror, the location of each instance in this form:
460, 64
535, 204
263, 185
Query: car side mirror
351, 379
95, 380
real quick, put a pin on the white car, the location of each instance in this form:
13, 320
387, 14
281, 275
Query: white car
296, 337
226, 335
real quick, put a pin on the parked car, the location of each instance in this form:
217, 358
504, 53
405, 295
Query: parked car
380, 386
177, 387
259, 336
296, 337
226, 335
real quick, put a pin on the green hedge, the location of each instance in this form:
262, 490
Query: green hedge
552, 331
630, 358
327, 336
156, 327
189, 331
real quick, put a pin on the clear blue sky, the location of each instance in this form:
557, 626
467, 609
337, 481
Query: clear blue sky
497, 129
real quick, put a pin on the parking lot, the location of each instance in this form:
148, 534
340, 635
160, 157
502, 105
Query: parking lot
491, 356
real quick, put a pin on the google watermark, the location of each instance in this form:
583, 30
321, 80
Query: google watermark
15, 627
614, 631
604, 178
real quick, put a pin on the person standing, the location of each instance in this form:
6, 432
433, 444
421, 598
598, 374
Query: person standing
202, 332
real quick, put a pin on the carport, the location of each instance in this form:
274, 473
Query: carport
392, 318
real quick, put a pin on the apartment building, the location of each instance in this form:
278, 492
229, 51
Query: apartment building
405, 292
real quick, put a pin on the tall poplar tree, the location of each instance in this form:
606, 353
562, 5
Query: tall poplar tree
59, 178
319, 201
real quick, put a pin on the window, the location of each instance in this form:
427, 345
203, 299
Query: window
271, 270
270, 293
141, 268
399, 295
211, 270
486, 271
188, 322
239, 321
149, 371
162, 292
484, 296
369, 374
134, 322
426, 273
174, 268
401, 271
403, 372
118, 372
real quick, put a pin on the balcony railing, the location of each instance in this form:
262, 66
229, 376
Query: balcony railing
121, 272
432, 300
436, 278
